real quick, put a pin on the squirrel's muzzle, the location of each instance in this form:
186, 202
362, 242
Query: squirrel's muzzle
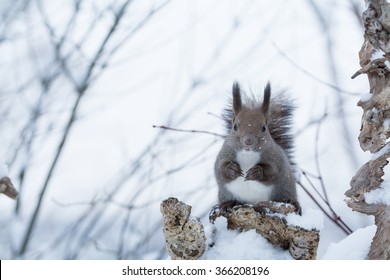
248, 142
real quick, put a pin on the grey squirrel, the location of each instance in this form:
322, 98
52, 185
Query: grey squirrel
255, 161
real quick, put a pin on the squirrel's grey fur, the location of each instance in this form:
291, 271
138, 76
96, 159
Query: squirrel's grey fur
255, 161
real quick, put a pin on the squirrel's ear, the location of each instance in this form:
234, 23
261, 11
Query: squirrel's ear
237, 103
266, 101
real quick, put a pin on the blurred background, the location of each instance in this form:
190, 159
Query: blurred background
83, 83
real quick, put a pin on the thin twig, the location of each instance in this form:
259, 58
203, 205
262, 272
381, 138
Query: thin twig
324, 190
333, 70
27, 236
309, 74
317, 157
188, 130
81, 88
346, 231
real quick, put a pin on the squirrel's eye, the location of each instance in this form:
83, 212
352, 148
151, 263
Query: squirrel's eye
264, 128
235, 127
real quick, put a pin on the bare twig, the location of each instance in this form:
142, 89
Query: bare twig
81, 88
357, 11
188, 130
333, 216
311, 75
336, 219
53, 165
332, 64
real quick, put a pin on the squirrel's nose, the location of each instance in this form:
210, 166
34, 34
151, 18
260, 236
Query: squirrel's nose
249, 140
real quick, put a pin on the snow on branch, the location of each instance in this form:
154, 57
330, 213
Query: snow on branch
185, 237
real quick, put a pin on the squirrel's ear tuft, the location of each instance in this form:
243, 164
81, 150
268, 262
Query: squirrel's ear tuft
237, 102
266, 100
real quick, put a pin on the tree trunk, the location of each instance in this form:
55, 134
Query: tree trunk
375, 130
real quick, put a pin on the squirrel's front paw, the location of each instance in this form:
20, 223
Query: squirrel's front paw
297, 207
233, 170
255, 173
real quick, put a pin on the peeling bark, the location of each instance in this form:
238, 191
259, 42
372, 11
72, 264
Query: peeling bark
184, 235
375, 129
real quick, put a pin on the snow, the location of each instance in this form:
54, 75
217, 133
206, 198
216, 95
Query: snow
386, 124
380, 153
247, 245
311, 219
387, 64
380, 195
354, 247
377, 54
3, 170
366, 97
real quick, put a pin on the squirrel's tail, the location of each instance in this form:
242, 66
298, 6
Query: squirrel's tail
280, 123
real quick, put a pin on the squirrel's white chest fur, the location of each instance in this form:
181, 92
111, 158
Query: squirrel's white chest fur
248, 191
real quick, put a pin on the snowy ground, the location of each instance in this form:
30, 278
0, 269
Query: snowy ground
252, 246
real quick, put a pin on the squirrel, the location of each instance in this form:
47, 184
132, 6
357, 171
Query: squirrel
255, 161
